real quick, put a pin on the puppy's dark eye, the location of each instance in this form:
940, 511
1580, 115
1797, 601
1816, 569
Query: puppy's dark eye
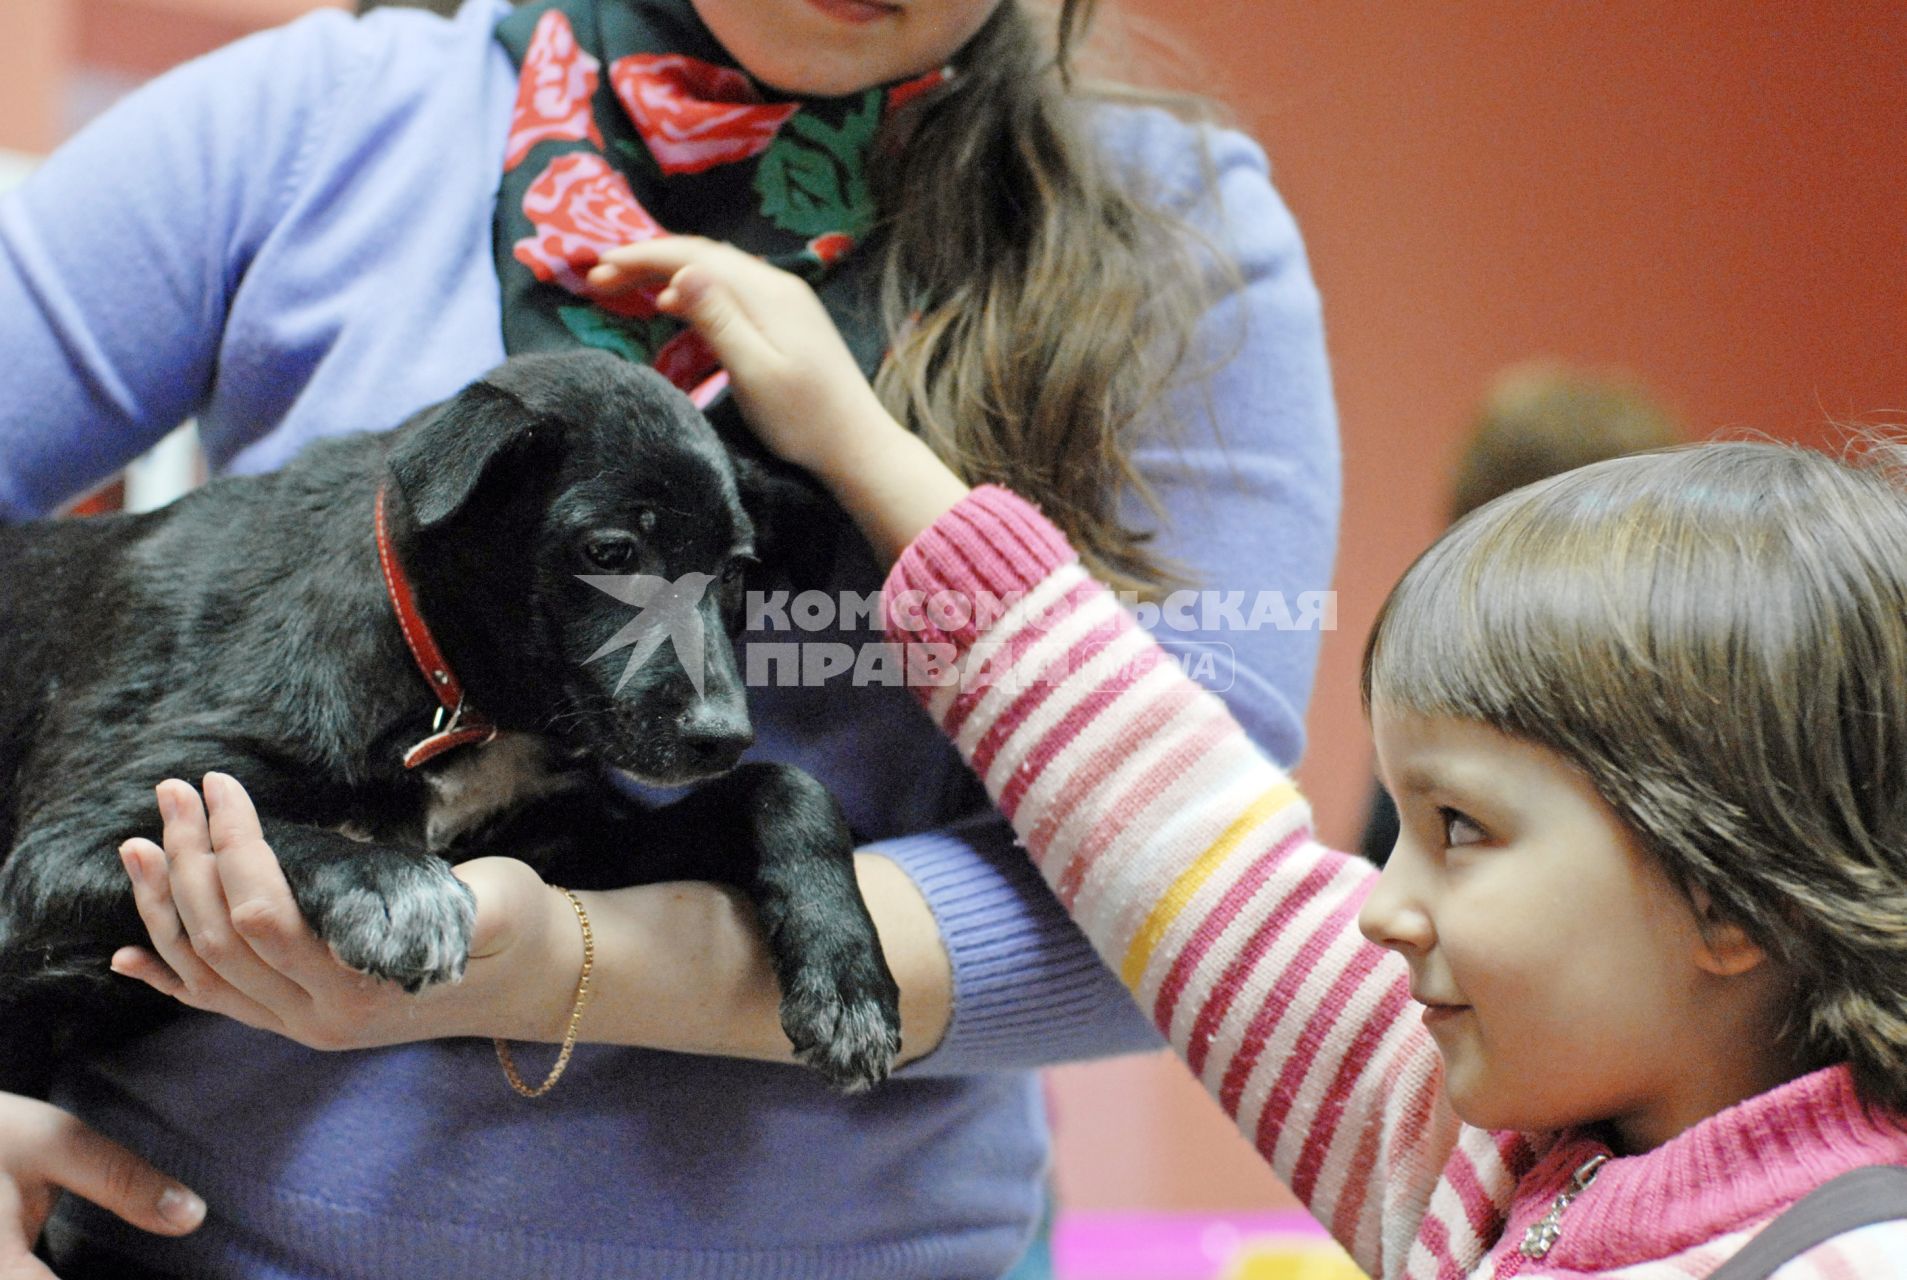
610, 551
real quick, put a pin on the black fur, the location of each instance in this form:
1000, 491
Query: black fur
245, 629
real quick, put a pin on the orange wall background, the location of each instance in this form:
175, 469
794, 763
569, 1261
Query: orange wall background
1709, 196
1713, 197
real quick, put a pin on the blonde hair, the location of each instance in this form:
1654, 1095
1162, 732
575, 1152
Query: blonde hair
1717, 637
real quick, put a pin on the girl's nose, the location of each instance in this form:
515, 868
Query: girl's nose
1395, 915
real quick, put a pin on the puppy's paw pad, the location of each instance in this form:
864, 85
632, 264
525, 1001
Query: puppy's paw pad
851, 1040
412, 926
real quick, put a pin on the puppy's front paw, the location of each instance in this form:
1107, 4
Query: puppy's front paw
406, 919
844, 1020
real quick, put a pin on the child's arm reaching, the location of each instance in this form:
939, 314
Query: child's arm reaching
1181, 850
1187, 857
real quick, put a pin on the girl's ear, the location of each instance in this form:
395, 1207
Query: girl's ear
1724, 947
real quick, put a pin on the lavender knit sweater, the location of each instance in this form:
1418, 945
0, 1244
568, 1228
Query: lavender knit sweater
291, 239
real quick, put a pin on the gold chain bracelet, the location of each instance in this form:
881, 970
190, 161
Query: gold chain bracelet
575, 1013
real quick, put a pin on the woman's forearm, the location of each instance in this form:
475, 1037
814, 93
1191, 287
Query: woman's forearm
684, 967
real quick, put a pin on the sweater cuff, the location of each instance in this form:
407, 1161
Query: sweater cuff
1028, 989
951, 582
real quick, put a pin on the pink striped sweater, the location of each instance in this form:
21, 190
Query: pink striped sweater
1187, 857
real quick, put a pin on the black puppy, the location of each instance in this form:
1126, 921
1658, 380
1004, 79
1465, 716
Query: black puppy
411, 647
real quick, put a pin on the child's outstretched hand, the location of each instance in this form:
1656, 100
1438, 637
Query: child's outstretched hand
794, 379
790, 372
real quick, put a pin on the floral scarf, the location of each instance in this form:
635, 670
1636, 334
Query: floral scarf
631, 121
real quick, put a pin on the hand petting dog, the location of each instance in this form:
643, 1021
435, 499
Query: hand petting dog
795, 381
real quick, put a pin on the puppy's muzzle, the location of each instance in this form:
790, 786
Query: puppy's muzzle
711, 739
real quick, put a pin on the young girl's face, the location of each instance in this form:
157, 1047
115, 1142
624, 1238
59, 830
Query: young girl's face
825, 48
1564, 978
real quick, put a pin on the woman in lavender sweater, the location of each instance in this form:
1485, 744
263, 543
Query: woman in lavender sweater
326, 227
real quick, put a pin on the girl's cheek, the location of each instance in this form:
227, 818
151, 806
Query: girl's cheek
1490, 944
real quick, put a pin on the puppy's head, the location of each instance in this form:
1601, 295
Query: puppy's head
579, 545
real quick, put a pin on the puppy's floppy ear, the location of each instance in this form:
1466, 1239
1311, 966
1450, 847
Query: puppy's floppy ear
777, 498
795, 523
439, 456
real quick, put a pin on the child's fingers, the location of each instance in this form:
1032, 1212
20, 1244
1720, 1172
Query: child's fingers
710, 288
610, 280
711, 305
668, 260
652, 261
644, 265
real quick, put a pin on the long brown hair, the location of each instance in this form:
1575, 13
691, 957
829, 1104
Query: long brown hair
1038, 304
1717, 636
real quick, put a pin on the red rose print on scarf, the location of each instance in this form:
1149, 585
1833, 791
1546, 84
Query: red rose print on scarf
553, 93
580, 208
687, 361
830, 248
902, 94
694, 115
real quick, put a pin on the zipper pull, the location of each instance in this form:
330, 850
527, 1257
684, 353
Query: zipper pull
1548, 1229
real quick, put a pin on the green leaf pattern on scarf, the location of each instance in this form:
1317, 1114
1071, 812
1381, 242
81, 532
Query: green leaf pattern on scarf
632, 339
802, 201
813, 178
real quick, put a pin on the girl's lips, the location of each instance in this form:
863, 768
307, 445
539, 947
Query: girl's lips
855, 10
1437, 1014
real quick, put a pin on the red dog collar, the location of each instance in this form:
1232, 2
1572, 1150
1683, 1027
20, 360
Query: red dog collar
465, 723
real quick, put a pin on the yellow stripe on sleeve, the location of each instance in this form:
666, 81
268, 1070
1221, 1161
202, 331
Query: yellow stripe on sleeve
1167, 909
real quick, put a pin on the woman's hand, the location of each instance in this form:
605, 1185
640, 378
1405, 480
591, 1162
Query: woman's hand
795, 381
229, 939
680, 966
44, 1151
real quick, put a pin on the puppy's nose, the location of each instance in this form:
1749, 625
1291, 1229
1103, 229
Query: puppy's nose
713, 737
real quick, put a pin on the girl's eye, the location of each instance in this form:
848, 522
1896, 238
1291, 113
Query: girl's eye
610, 550
1459, 830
